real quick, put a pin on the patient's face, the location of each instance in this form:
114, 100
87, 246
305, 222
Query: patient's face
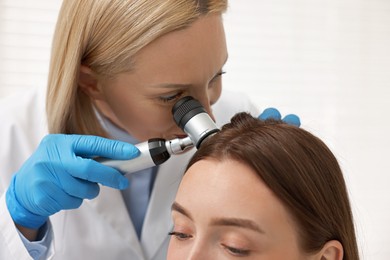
223, 210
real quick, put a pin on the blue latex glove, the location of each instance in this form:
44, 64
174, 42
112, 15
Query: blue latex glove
273, 113
56, 177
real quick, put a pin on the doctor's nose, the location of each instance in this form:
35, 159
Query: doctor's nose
206, 102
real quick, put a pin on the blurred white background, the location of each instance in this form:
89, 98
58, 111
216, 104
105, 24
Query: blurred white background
326, 61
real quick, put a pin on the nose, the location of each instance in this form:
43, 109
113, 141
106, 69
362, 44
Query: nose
207, 106
207, 100
196, 256
201, 251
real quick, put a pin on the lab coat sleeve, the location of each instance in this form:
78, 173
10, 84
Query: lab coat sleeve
23, 125
39, 249
11, 245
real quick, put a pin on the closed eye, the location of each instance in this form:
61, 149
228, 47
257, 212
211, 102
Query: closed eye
236, 251
171, 98
179, 235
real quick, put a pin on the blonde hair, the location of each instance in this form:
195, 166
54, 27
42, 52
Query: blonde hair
105, 35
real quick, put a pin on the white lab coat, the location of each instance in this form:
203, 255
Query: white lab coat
101, 228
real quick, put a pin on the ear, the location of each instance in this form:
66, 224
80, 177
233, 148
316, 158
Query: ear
89, 83
332, 250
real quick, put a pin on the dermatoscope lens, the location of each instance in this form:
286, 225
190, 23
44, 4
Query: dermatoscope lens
192, 118
185, 109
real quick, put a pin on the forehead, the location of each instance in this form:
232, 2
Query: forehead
232, 189
199, 49
227, 175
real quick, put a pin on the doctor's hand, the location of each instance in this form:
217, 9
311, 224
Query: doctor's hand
60, 174
273, 113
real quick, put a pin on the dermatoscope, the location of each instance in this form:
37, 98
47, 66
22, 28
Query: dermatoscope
191, 117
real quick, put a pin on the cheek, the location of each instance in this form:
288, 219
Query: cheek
176, 251
141, 119
150, 123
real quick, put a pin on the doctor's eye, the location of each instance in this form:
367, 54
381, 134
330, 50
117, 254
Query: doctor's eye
180, 236
171, 98
218, 75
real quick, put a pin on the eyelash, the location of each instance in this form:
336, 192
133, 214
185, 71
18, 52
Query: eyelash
180, 236
219, 74
236, 251
232, 250
171, 98
178, 95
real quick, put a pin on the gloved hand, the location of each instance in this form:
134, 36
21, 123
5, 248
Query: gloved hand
273, 113
59, 175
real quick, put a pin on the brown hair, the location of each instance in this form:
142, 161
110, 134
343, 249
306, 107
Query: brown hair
299, 168
105, 36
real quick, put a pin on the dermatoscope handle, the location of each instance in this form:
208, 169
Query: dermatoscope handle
191, 117
152, 153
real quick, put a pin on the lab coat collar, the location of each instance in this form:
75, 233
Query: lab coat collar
158, 222
111, 207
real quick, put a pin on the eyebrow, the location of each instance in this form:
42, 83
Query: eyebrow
177, 207
235, 222
172, 85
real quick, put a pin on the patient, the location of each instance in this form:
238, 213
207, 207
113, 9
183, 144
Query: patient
262, 190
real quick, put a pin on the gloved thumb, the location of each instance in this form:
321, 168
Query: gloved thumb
90, 146
270, 113
292, 119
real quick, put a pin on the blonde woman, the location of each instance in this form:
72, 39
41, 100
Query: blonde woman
117, 67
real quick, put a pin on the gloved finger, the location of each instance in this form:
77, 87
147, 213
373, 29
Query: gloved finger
20, 215
90, 170
292, 119
77, 187
62, 200
270, 113
99, 146
55, 199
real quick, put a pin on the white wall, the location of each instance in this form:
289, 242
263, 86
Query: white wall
26, 28
326, 61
